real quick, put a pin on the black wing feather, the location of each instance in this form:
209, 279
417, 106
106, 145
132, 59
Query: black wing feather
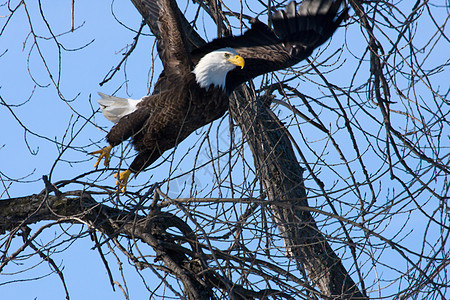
165, 23
295, 35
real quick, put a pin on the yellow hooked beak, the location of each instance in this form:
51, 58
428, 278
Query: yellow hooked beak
237, 60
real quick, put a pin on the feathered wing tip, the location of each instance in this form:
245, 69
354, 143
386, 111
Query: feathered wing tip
114, 108
319, 17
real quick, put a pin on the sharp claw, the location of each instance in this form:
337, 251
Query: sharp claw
122, 180
104, 153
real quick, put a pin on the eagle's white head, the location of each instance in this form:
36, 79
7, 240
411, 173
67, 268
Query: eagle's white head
212, 69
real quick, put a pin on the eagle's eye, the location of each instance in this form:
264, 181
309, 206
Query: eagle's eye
227, 55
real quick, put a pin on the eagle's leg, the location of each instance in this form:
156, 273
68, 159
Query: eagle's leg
142, 160
122, 180
104, 153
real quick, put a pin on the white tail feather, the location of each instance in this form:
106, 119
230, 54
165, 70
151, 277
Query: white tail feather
115, 108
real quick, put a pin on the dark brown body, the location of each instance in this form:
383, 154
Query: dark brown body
165, 119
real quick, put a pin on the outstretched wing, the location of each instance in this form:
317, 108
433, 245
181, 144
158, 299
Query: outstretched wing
165, 22
296, 33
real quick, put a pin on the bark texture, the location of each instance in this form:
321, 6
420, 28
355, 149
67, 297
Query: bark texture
282, 179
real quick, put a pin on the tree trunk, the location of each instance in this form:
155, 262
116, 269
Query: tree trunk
282, 178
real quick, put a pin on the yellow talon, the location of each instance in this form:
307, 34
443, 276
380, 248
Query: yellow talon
122, 180
104, 152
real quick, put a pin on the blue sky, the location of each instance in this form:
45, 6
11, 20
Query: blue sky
32, 147
29, 155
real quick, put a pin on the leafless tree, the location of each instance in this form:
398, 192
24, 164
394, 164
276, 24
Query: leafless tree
329, 180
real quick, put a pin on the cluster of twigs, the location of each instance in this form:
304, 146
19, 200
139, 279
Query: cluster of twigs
328, 180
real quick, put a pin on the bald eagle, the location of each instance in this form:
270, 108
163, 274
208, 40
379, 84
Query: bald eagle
194, 86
